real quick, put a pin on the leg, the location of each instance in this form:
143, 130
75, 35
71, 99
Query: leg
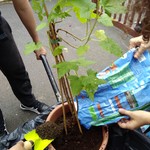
13, 68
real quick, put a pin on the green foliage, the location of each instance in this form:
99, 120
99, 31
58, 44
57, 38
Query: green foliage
38, 7
29, 48
105, 20
83, 9
58, 13
113, 6
88, 82
108, 44
67, 66
82, 50
41, 26
84, 12
58, 50
111, 46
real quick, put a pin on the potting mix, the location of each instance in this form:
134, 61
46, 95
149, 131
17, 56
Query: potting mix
127, 86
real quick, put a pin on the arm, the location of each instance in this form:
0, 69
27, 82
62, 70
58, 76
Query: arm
137, 119
24, 11
138, 41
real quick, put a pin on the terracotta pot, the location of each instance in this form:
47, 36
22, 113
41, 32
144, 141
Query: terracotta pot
57, 112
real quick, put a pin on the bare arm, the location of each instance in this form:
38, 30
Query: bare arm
24, 11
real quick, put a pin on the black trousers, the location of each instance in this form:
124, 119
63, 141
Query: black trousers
13, 68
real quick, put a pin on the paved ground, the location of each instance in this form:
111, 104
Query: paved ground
41, 86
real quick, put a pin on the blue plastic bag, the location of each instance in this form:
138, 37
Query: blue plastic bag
128, 86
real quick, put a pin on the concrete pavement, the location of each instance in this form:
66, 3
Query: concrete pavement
41, 86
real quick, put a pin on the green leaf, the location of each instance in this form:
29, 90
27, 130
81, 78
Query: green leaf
90, 83
76, 85
113, 6
111, 46
82, 50
105, 20
83, 62
100, 34
38, 8
41, 26
65, 67
58, 50
82, 8
30, 47
58, 13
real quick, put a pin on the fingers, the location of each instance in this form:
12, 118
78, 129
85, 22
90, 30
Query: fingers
122, 125
21, 143
135, 42
139, 42
39, 52
124, 112
144, 46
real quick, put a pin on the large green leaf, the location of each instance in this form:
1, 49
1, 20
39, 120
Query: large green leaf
113, 6
58, 13
32, 46
58, 50
83, 62
76, 85
41, 26
38, 8
65, 67
100, 34
105, 20
82, 8
82, 50
111, 46
90, 83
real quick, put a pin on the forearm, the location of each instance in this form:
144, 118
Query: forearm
24, 11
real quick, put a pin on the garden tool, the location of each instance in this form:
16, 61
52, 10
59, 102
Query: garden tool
42, 136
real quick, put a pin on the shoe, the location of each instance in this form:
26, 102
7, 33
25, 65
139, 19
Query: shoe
38, 108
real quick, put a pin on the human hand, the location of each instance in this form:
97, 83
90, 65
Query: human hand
137, 118
41, 51
18, 146
138, 41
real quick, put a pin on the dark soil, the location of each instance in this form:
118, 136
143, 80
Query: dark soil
49, 130
90, 139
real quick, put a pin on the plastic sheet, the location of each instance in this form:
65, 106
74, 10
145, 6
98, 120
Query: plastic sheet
127, 86
18, 134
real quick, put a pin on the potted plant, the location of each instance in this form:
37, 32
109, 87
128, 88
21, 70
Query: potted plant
88, 13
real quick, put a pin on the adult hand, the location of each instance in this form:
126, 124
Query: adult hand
18, 146
41, 51
137, 118
143, 45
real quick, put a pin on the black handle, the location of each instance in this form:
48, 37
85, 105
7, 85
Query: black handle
51, 77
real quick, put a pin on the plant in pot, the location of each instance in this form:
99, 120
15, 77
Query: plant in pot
71, 81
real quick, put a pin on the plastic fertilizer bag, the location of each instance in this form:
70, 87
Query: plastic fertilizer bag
127, 86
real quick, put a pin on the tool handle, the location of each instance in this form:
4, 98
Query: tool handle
28, 145
51, 77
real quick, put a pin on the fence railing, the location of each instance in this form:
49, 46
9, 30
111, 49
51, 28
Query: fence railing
129, 22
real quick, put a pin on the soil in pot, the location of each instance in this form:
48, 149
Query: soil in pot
90, 139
